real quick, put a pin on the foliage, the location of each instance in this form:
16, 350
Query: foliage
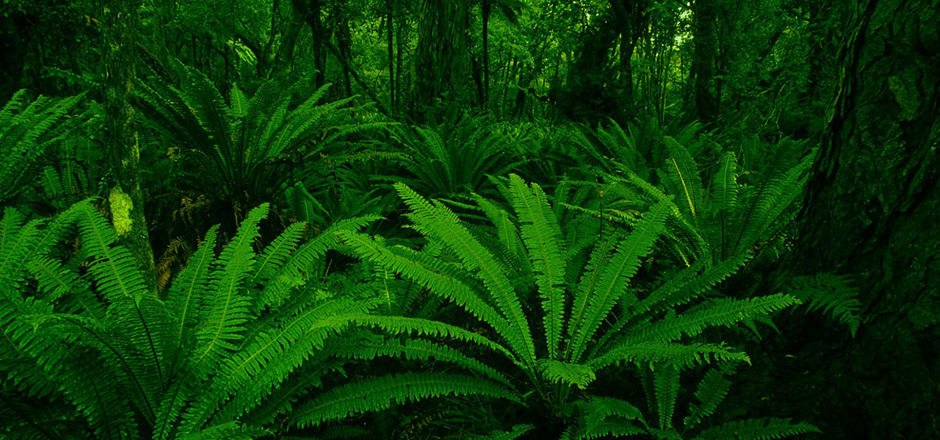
231, 328
499, 219
249, 149
27, 129
561, 362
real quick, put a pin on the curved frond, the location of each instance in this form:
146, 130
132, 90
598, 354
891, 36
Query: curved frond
542, 237
592, 307
441, 224
758, 429
384, 392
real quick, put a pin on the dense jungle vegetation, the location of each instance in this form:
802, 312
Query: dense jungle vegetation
469, 219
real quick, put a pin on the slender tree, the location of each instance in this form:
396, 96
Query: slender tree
126, 195
703, 61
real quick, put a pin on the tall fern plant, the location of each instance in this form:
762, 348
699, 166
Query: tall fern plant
736, 212
89, 352
555, 328
247, 150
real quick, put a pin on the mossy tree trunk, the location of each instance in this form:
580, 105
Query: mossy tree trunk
872, 210
126, 197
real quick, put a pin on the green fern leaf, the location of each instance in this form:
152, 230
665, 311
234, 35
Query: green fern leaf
721, 311
666, 390
831, 294
569, 374
387, 391
542, 236
591, 308
441, 224
514, 433
710, 393
758, 429
190, 287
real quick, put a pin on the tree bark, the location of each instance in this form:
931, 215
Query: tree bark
311, 11
126, 196
485, 11
630, 17
390, 42
704, 60
872, 209
442, 56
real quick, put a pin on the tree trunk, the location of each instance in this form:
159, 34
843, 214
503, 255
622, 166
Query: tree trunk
441, 60
485, 10
390, 42
126, 196
630, 18
311, 11
872, 210
703, 61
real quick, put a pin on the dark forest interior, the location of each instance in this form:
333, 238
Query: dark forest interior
469, 219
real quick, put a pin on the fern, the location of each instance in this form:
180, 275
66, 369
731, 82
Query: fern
383, 392
517, 431
251, 149
442, 225
186, 367
831, 294
758, 429
569, 374
471, 270
710, 392
27, 130
542, 236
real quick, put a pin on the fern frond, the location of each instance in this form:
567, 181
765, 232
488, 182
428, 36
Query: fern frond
597, 409
689, 284
228, 431
428, 276
608, 429
112, 265
384, 392
415, 349
297, 269
556, 371
514, 433
592, 307
679, 355
542, 236
254, 371
227, 307
184, 298
711, 391
830, 294
276, 254
685, 171
717, 312
758, 429
424, 327
666, 390
725, 198
441, 224
773, 195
